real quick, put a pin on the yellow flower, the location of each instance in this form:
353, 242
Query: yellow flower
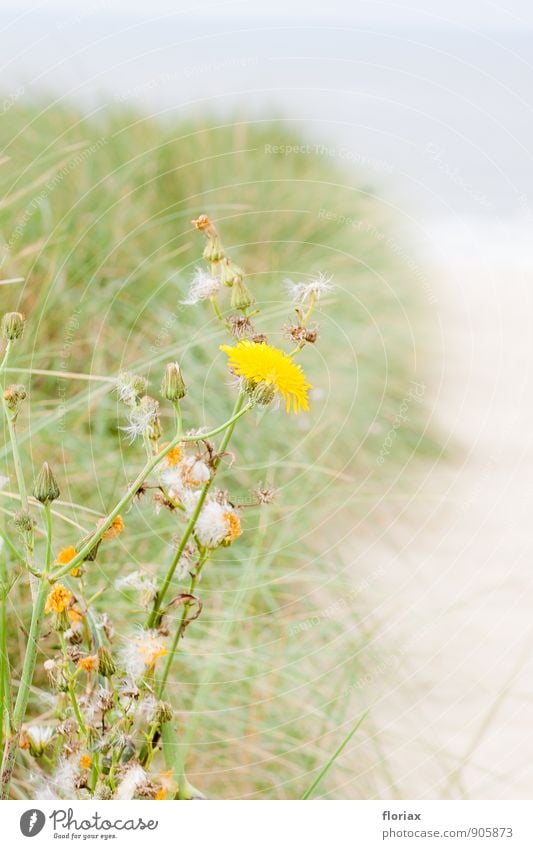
86, 761
233, 524
115, 529
58, 599
161, 794
262, 363
89, 663
65, 556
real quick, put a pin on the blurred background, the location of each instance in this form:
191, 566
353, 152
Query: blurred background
388, 144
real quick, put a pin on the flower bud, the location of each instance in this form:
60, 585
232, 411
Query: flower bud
173, 386
106, 664
263, 394
45, 488
230, 273
241, 298
12, 326
213, 251
163, 713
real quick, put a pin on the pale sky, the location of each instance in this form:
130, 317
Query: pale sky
478, 14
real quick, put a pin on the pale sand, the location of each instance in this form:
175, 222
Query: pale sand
452, 687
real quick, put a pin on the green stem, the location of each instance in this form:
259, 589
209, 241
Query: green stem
19, 712
16, 459
239, 410
48, 518
217, 312
179, 422
17, 462
139, 480
75, 706
28, 669
179, 632
5, 358
71, 686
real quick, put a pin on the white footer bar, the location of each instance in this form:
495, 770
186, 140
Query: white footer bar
269, 824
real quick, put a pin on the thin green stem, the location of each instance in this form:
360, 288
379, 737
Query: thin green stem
179, 421
180, 629
75, 706
325, 769
17, 462
217, 312
5, 358
239, 410
139, 480
155, 615
71, 685
19, 712
16, 459
48, 519
28, 669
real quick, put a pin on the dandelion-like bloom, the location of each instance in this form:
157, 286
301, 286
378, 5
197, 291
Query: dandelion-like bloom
86, 761
264, 364
203, 286
141, 653
301, 292
115, 528
58, 599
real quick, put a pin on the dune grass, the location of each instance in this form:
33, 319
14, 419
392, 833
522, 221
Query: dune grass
95, 219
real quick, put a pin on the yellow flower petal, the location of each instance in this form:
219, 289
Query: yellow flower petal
262, 363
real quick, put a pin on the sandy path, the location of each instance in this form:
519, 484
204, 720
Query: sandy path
453, 682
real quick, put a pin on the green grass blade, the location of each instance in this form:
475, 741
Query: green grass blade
325, 769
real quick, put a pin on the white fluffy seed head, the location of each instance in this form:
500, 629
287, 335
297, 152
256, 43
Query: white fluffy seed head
134, 778
301, 292
203, 286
